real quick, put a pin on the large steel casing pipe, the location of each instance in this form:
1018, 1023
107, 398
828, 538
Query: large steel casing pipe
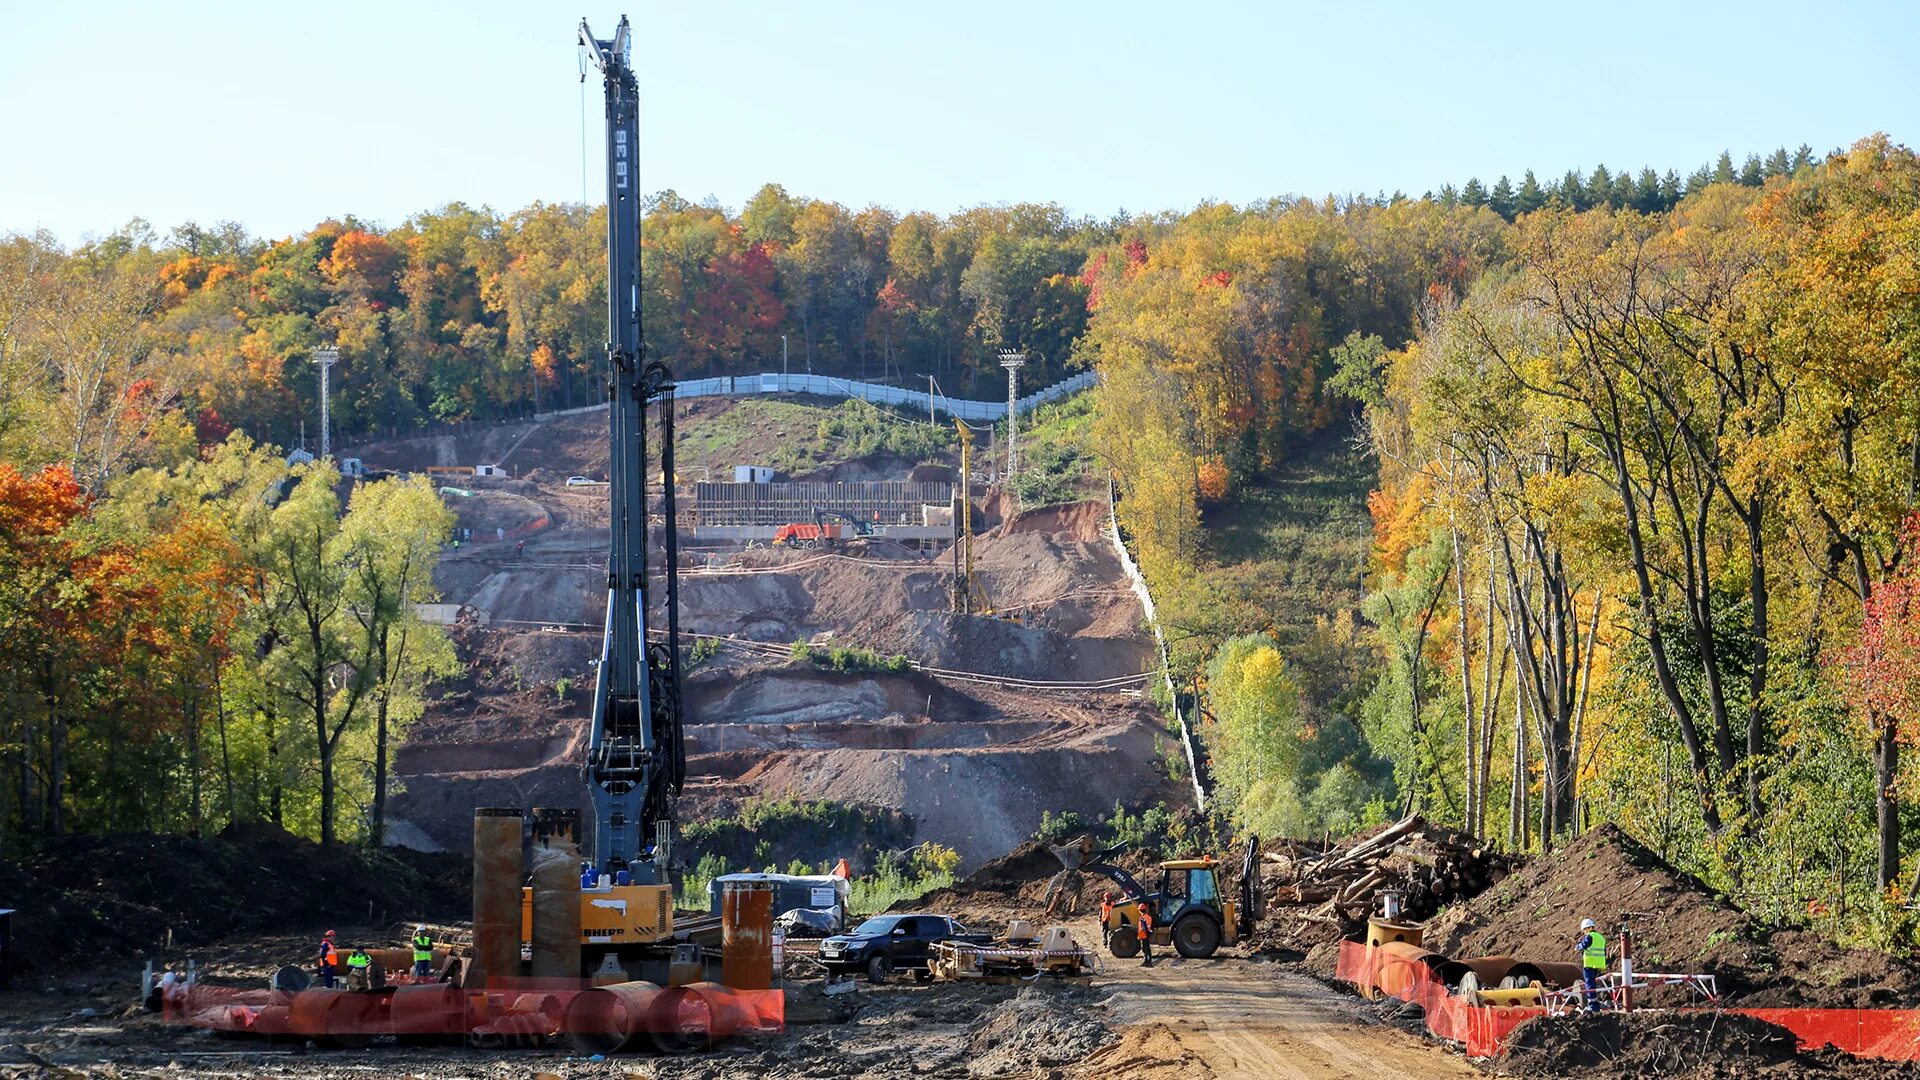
607, 1019
496, 895
696, 1017
555, 870
1554, 975
746, 935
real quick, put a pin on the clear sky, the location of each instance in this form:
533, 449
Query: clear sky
280, 114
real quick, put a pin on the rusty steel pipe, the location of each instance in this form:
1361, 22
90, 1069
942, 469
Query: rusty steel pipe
607, 1019
1489, 969
696, 1017
746, 935
1393, 971
496, 895
1552, 974
436, 1009
555, 869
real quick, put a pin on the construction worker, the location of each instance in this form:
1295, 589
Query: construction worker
1106, 910
329, 963
520, 549
359, 969
422, 953
1144, 928
1593, 960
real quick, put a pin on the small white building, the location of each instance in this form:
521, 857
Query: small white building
489, 470
752, 474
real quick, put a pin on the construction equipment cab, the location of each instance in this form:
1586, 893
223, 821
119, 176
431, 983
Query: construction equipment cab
1190, 909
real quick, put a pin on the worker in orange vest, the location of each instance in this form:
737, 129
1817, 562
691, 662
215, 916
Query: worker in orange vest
1145, 929
1106, 910
329, 964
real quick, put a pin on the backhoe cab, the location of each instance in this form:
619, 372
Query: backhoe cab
1188, 913
1191, 909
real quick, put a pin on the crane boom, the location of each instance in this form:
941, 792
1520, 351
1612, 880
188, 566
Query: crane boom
636, 759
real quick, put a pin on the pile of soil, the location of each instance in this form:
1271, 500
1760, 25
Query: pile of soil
1658, 1043
1016, 884
125, 893
1041, 1027
1534, 914
1707, 1045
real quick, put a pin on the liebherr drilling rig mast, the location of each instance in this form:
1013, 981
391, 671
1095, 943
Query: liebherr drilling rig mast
636, 757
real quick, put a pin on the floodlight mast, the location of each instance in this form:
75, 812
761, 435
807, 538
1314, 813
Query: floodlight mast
636, 760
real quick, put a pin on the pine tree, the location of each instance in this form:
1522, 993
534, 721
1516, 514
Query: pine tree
1670, 190
1779, 164
1723, 169
1752, 174
1646, 192
1699, 180
1600, 186
1622, 195
1803, 158
1572, 192
1530, 197
1501, 200
1449, 198
1473, 194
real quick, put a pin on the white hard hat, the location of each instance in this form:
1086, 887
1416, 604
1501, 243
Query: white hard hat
421, 929
1586, 924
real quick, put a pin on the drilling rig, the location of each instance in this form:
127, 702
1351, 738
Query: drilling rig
636, 754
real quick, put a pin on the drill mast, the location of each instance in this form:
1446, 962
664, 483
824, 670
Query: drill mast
636, 759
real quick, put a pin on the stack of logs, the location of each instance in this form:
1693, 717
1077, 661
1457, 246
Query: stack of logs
1427, 865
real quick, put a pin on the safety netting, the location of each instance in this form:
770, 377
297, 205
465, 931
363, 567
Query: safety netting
1484, 1030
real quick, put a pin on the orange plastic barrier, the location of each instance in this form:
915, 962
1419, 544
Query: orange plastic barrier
1886, 1034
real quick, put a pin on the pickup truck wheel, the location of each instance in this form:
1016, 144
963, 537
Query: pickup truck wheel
879, 968
1196, 937
1124, 942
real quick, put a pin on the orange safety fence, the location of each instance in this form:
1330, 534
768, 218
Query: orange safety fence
1482, 1029
1887, 1034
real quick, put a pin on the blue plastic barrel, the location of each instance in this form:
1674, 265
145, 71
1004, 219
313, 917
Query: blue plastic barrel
622, 877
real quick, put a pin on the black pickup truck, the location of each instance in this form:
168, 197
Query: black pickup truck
888, 943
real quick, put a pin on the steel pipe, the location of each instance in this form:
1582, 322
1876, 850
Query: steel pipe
746, 935
496, 895
427, 1009
697, 1016
555, 869
1554, 975
1393, 969
608, 1019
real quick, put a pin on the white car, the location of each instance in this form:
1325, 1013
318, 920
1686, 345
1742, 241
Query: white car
580, 481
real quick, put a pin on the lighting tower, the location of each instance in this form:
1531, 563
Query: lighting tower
1012, 361
324, 357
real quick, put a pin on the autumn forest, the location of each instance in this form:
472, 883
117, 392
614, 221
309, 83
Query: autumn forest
1643, 452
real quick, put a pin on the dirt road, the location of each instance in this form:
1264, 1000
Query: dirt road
1230, 1017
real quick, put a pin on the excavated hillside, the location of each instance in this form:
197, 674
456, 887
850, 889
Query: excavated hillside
973, 759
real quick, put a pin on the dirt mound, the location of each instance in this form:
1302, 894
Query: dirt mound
1041, 1027
1085, 522
1534, 914
128, 891
1659, 1043
1017, 883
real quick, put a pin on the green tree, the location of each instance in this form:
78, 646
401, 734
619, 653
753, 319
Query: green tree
389, 542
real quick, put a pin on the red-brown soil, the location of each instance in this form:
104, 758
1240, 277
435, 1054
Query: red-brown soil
1535, 915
